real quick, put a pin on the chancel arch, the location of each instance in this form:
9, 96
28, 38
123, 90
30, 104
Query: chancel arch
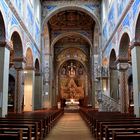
70, 29
72, 52
63, 35
72, 81
71, 7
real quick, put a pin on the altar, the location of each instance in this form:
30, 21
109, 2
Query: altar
72, 105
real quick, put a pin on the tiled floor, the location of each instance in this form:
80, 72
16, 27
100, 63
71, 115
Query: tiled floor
70, 127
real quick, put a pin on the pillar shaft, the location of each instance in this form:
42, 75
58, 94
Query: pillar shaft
4, 73
38, 91
124, 97
135, 52
124, 92
19, 91
29, 90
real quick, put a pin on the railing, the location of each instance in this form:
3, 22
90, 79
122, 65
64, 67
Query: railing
107, 103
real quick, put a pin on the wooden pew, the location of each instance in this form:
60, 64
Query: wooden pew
37, 129
125, 136
131, 130
27, 129
117, 126
11, 133
103, 125
47, 117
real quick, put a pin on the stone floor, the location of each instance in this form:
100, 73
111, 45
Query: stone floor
70, 127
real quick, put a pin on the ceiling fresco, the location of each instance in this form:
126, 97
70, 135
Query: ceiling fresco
76, 39
72, 53
71, 20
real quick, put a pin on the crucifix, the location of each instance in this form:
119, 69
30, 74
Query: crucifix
72, 70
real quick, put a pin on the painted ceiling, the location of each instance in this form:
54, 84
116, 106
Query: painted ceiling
71, 19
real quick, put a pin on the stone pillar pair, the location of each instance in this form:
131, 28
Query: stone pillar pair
4, 76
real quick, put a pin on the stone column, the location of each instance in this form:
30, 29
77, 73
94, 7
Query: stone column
29, 89
124, 97
135, 53
19, 65
93, 84
114, 87
50, 82
46, 70
4, 73
38, 91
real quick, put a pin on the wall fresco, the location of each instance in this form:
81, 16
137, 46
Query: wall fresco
12, 21
37, 34
18, 5
111, 20
126, 24
29, 19
121, 5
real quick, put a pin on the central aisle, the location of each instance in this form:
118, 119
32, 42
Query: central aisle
70, 127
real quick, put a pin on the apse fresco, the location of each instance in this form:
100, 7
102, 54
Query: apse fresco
72, 80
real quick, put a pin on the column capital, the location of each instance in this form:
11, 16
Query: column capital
122, 63
121, 59
20, 59
19, 63
6, 44
134, 43
122, 66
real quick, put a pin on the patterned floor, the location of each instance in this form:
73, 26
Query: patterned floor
70, 127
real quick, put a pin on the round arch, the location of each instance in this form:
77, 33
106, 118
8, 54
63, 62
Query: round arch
17, 44
71, 7
124, 46
137, 28
29, 57
37, 65
14, 29
112, 58
60, 65
2, 27
71, 48
137, 18
70, 33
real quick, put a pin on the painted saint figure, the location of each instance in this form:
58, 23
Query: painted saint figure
72, 70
